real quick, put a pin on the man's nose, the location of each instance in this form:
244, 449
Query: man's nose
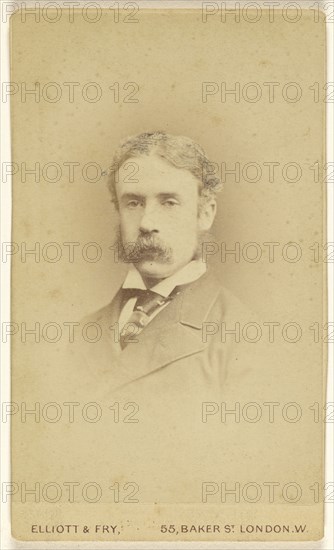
149, 220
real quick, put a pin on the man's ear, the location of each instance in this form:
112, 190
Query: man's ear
207, 213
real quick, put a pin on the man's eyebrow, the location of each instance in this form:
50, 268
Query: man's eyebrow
132, 196
169, 195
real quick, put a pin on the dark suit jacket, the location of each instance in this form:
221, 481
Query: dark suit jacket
172, 353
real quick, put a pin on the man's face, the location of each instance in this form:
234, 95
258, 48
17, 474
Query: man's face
159, 216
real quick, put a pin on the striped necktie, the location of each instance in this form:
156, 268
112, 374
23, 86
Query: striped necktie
147, 303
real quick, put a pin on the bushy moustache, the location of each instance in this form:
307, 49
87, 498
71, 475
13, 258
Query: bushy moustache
146, 248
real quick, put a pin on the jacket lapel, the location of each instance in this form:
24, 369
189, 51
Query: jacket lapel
176, 332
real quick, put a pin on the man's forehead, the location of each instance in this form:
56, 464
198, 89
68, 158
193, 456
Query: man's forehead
154, 174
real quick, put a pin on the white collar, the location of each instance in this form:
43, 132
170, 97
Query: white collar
187, 274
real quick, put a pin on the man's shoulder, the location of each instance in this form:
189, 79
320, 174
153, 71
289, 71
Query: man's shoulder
226, 302
232, 304
105, 313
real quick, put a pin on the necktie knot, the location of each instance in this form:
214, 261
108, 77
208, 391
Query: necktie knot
147, 303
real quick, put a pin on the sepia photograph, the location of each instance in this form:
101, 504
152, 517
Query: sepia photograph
168, 256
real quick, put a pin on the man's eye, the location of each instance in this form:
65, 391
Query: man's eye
133, 204
170, 203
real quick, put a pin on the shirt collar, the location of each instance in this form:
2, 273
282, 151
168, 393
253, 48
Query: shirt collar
187, 274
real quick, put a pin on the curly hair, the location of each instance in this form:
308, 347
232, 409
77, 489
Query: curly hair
180, 151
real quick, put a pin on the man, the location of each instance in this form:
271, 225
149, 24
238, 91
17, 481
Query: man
168, 352
164, 326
